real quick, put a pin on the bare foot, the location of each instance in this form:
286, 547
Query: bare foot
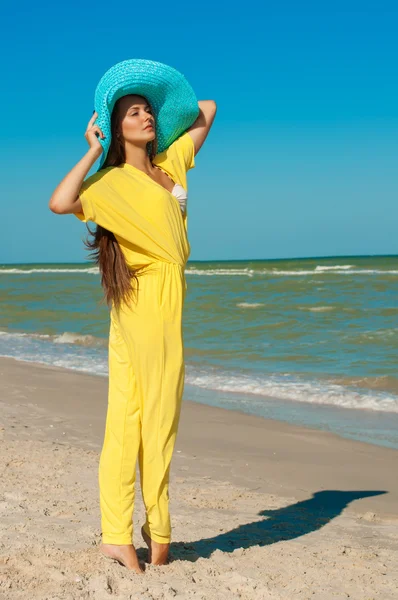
125, 555
157, 553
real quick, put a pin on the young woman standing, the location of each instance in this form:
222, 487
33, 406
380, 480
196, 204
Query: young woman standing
138, 200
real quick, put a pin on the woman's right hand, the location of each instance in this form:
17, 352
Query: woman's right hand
65, 198
91, 136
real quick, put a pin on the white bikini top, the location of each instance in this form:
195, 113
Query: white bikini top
178, 192
181, 195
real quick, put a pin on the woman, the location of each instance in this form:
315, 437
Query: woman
138, 201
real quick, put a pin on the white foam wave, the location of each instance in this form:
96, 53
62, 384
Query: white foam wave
338, 270
71, 363
42, 349
76, 338
316, 308
250, 304
90, 270
260, 389
313, 392
87, 354
211, 272
63, 338
331, 268
21, 335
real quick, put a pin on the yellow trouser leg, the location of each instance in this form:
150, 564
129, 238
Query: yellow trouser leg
121, 444
160, 421
153, 330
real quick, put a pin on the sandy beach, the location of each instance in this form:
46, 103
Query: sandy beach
259, 508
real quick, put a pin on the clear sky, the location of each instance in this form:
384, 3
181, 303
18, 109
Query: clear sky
301, 159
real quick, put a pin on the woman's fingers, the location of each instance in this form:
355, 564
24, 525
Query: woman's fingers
91, 121
95, 129
93, 132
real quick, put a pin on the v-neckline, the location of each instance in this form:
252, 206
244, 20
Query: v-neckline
175, 200
127, 165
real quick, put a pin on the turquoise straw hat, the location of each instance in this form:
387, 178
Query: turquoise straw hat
173, 100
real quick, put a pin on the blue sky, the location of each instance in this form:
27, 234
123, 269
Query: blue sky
301, 159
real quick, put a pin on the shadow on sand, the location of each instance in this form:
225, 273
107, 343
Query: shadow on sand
285, 523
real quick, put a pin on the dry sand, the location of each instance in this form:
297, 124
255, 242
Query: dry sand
259, 508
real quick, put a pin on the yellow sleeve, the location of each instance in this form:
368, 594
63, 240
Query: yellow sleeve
92, 202
178, 158
183, 147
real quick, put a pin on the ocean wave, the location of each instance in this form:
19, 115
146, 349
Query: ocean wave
376, 382
316, 308
82, 354
290, 388
250, 304
71, 363
350, 393
229, 272
63, 338
384, 337
338, 270
90, 270
211, 272
38, 336
334, 267
81, 340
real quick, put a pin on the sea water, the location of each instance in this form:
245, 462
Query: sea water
309, 341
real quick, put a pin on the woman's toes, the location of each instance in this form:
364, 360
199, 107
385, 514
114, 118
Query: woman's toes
125, 555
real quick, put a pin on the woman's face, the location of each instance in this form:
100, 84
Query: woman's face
135, 115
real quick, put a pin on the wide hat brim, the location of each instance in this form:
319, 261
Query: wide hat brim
172, 99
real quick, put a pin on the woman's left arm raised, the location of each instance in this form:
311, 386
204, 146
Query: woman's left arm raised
201, 127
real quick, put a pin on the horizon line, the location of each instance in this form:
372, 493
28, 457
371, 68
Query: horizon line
339, 256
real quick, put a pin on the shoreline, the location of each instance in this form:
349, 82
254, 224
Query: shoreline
375, 427
257, 452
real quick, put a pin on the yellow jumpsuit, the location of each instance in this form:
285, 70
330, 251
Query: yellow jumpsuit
146, 354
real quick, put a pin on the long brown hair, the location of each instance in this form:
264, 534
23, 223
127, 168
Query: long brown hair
116, 275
